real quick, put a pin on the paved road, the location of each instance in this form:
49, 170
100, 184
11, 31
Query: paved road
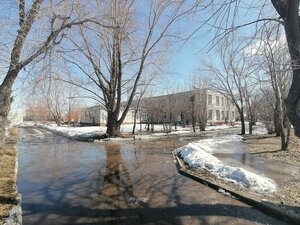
69, 182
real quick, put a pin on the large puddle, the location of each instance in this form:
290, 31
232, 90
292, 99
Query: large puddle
235, 154
69, 182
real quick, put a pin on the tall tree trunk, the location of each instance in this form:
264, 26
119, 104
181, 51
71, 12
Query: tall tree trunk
243, 128
293, 102
250, 124
285, 137
134, 121
192, 99
182, 119
276, 123
140, 121
113, 125
289, 12
5, 103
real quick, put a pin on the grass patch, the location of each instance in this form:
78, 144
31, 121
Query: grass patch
8, 155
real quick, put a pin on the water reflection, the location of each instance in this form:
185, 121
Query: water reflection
68, 182
117, 186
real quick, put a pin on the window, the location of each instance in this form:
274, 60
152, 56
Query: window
232, 113
218, 114
223, 115
227, 115
209, 99
217, 100
222, 101
209, 115
227, 100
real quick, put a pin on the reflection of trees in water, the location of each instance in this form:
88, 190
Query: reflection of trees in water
117, 186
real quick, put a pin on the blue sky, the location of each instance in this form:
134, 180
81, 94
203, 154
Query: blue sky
185, 59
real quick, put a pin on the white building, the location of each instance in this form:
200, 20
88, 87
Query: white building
209, 106
97, 115
219, 108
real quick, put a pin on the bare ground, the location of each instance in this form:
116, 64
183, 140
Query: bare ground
8, 155
268, 146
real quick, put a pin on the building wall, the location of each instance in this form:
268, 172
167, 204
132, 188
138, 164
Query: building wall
219, 108
211, 106
92, 115
96, 115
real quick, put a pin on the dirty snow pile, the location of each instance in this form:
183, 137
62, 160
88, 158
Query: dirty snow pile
196, 156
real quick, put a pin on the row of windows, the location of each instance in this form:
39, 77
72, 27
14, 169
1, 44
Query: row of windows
210, 98
220, 115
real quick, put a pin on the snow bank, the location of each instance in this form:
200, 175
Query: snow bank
195, 156
76, 131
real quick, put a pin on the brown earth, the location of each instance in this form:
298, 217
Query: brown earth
268, 146
8, 155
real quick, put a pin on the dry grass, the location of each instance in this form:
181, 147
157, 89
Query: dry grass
7, 174
268, 146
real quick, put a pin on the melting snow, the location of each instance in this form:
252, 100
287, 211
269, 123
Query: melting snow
198, 155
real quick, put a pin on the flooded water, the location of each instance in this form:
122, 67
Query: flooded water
69, 182
235, 154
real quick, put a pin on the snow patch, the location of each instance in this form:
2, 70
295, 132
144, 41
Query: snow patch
76, 131
195, 156
209, 145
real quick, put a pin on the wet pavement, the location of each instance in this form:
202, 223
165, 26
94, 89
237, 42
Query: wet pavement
68, 182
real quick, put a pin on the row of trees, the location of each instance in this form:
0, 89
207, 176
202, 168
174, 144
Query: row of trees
109, 48
108, 51
256, 79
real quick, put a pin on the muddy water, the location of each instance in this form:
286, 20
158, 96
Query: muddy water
68, 182
235, 154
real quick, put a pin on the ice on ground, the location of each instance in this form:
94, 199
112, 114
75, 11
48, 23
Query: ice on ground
197, 157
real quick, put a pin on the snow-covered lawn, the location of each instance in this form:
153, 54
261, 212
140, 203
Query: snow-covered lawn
91, 131
199, 155
76, 131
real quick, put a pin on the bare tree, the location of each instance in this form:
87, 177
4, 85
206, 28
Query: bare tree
289, 13
48, 20
277, 73
136, 105
116, 58
232, 77
225, 16
199, 83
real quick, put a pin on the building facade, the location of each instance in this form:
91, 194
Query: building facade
205, 106
97, 115
219, 108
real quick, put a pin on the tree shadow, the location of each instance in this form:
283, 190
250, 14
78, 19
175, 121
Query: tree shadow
266, 152
148, 215
113, 195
